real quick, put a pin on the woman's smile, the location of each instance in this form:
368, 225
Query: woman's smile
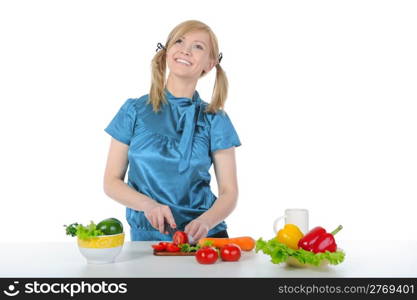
183, 62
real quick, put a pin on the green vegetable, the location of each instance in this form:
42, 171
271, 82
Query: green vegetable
189, 248
208, 244
110, 226
71, 229
83, 232
280, 252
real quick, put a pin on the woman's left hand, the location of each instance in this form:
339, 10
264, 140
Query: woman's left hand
197, 229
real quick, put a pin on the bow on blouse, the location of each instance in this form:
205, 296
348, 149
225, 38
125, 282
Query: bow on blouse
189, 112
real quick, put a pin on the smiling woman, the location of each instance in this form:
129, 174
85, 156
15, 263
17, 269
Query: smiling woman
170, 138
195, 44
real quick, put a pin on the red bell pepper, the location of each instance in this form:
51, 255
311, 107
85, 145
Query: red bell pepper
307, 241
318, 240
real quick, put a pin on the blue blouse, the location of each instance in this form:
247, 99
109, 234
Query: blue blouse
170, 154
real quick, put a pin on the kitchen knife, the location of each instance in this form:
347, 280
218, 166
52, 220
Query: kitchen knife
171, 231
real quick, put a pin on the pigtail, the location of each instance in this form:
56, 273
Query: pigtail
219, 96
158, 70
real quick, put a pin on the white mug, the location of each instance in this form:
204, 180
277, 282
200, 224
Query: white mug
296, 216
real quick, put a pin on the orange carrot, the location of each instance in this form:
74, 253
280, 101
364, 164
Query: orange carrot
246, 243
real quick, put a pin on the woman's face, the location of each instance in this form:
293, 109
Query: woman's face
189, 56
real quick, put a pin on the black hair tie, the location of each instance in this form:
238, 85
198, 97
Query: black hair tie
220, 57
160, 47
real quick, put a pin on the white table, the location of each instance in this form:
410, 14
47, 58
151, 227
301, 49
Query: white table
363, 259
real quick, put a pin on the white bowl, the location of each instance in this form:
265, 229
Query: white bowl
101, 249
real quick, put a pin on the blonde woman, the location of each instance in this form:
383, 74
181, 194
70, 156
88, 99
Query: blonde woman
169, 138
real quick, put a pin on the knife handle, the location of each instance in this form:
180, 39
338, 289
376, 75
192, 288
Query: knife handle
169, 229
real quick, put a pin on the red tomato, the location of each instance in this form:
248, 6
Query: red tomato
230, 252
171, 247
158, 247
207, 255
180, 237
162, 246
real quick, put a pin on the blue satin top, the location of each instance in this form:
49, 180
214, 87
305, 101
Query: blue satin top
170, 154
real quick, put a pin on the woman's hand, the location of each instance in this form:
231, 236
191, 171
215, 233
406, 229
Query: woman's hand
197, 229
157, 214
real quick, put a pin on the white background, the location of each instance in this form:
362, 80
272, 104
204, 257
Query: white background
322, 94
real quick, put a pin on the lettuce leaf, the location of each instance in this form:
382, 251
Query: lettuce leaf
279, 253
188, 248
83, 232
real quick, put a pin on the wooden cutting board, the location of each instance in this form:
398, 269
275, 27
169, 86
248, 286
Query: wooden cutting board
166, 253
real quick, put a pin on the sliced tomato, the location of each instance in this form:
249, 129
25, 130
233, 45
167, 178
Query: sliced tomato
158, 247
171, 247
162, 246
180, 237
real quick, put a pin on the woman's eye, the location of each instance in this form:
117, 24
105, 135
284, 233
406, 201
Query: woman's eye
197, 46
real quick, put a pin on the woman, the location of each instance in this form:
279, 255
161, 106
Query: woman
169, 138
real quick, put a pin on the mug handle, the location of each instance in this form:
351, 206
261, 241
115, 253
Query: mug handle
276, 223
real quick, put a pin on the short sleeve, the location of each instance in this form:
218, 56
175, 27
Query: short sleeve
122, 126
222, 133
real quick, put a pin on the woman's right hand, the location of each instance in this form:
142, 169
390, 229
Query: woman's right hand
158, 214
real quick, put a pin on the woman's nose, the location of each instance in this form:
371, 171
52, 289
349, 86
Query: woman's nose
186, 50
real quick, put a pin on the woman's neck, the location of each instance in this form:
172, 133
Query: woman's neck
180, 88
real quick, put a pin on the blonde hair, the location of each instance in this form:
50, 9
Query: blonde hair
158, 65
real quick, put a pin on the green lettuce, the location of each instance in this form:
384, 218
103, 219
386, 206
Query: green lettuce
279, 253
195, 248
188, 248
83, 232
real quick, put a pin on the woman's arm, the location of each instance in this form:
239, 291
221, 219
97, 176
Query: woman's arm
225, 169
115, 187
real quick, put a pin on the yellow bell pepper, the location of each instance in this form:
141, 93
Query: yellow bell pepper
290, 235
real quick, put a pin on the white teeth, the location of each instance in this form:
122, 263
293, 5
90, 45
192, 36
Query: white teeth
183, 61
